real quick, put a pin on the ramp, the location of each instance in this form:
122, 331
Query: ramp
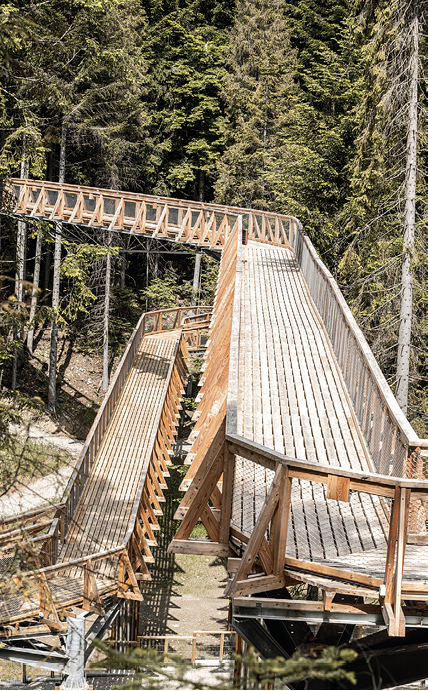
303, 468
107, 521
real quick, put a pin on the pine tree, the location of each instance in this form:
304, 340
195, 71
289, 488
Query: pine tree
309, 165
185, 53
386, 216
258, 90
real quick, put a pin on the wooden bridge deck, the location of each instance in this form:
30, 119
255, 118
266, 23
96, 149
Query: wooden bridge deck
103, 515
293, 399
104, 512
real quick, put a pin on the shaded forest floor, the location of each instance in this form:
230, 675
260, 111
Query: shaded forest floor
79, 393
186, 591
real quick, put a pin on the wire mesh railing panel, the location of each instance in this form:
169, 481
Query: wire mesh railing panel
176, 646
150, 323
386, 452
369, 393
251, 484
170, 320
201, 646
376, 432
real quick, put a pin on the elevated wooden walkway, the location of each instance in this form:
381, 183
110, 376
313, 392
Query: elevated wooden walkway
303, 469
293, 399
106, 548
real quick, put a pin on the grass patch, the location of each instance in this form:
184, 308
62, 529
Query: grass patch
199, 532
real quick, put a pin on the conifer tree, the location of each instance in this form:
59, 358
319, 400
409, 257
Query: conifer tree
258, 89
384, 212
185, 52
309, 175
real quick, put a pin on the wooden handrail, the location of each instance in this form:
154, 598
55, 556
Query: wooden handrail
377, 374
271, 459
155, 199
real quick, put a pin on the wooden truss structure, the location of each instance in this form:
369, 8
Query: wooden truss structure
392, 473
198, 224
260, 562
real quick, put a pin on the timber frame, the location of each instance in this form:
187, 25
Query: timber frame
40, 533
259, 562
196, 223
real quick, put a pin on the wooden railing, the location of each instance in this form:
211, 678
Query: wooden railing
150, 323
178, 220
165, 641
274, 518
393, 445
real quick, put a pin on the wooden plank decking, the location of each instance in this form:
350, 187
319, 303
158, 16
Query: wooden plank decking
103, 514
104, 511
293, 399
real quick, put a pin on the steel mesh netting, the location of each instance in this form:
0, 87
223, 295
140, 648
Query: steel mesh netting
53, 196
150, 212
251, 483
375, 434
150, 323
169, 320
18, 599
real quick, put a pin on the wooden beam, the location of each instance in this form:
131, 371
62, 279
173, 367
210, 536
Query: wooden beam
204, 483
257, 535
281, 519
259, 584
226, 495
205, 547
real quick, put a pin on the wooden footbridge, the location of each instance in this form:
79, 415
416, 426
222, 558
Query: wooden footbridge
303, 468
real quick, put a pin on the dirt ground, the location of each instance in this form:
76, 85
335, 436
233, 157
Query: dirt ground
186, 591
78, 387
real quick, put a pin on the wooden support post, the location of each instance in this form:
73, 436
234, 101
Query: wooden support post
194, 648
91, 598
258, 535
282, 513
226, 495
392, 541
392, 611
47, 606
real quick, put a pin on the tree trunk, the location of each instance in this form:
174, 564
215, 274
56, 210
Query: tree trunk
123, 269
201, 185
21, 245
48, 259
56, 285
106, 318
147, 269
35, 291
196, 276
406, 307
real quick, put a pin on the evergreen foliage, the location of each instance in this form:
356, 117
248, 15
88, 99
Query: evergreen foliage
296, 106
329, 666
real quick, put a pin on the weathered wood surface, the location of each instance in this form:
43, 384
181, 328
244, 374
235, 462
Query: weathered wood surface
105, 514
105, 507
293, 399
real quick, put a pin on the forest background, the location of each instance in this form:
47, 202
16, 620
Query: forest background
297, 107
